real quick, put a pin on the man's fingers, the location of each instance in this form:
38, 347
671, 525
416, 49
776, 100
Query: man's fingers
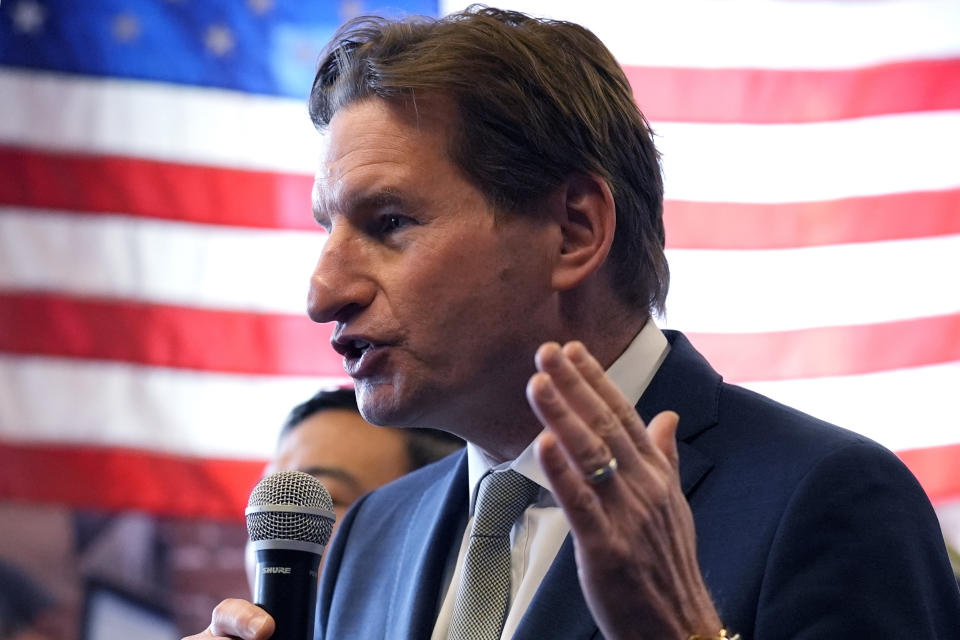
581, 505
595, 434
598, 379
236, 618
584, 449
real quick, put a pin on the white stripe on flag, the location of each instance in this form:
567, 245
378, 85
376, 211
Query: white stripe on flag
157, 261
903, 409
810, 162
163, 122
714, 291
205, 414
167, 410
760, 34
711, 291
702, 162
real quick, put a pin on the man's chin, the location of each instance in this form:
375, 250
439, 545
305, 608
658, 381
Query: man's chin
380, 404
386, 405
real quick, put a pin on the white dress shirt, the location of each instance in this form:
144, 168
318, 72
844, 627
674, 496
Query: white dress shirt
537, 536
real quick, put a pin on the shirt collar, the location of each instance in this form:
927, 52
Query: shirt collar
631, 372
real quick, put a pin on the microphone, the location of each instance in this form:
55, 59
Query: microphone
289, 521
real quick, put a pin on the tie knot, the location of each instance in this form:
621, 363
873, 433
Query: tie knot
501, 498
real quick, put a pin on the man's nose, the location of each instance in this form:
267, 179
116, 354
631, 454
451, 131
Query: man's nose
340, 287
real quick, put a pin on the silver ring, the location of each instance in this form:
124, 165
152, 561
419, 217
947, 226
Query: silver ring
603, 473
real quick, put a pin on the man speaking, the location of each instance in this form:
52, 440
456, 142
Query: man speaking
494, 207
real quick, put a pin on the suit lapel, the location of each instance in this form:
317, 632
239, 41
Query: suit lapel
685, 383
435, 531
693, 467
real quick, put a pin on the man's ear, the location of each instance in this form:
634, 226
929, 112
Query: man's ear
588, 219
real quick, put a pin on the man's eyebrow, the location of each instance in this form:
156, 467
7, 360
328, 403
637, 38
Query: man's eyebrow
315, 200
358, 201
381, 198
334, 472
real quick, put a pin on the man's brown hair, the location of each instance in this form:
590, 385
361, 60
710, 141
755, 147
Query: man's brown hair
537, 100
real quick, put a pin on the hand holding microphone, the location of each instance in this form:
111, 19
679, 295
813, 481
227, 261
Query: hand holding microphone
289, 520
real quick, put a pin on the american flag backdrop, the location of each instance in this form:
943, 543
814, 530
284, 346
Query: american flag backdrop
156, 241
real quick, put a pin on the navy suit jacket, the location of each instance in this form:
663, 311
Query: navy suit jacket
804, 530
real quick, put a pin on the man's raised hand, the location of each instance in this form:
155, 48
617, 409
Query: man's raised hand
617, 481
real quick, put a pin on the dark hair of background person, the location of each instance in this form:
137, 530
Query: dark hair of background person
537, 101
423, 445
22, 601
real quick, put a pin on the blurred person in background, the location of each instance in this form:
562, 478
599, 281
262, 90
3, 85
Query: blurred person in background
327, 438
25, 606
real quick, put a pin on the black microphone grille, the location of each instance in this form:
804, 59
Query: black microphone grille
290, 505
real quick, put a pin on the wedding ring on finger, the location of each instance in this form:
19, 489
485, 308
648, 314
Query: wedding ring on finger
602, 474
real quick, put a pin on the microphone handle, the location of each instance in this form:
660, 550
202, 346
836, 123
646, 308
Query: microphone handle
286, 587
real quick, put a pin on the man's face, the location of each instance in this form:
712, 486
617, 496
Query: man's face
439, 307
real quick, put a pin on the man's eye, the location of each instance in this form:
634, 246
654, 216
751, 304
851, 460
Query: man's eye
393, 222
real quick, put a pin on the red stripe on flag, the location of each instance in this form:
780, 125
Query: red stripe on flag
832, 351
937, 469
768, 96
124, 479
731, 225
154, 189
273, 344
233, 197
166, 335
